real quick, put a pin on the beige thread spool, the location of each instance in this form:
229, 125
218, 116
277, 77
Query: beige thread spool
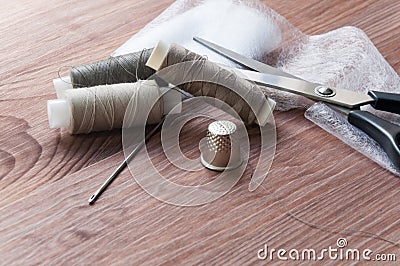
102, 108
256, 109
221, 150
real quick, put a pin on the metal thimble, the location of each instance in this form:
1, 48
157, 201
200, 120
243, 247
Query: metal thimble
221, 150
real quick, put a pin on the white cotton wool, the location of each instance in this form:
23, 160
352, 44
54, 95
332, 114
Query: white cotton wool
233, 25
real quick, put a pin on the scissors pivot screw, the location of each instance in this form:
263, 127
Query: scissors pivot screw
325, 91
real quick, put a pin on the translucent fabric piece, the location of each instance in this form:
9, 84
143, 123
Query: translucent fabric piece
338, 126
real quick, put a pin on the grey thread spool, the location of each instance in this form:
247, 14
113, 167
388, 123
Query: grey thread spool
121, 69
165, 55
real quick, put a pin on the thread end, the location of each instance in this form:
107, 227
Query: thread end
158, 55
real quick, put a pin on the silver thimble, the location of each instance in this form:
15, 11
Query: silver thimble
221, 150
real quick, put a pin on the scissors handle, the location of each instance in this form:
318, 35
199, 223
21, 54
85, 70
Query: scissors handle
384, 132
384, 101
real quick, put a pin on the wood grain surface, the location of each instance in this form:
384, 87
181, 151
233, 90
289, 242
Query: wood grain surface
313, 194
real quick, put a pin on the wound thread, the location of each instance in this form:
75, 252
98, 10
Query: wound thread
127, 68
204, 68
103, 107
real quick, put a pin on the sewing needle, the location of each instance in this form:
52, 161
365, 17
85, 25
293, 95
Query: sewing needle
122, 166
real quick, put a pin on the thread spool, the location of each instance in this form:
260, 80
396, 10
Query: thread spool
127, 68
101, 108
243, 96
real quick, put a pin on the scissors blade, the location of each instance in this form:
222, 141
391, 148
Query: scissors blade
340, 97
278, 79
243, 60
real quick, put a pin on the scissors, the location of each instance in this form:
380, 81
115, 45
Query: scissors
387, 134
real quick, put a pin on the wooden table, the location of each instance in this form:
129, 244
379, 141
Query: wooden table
46, 176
